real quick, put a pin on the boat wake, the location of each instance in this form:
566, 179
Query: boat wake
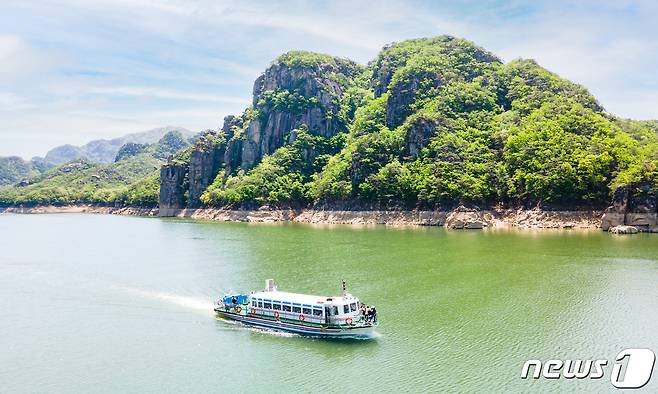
198, 304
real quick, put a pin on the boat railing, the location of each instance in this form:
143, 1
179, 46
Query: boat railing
277, 314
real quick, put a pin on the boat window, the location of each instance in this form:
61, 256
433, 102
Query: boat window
335, 311
287, 308
267, 305
353, 306
253, 303
307, 311
296, 309
276, 307
260, 304
317, 312
346, 308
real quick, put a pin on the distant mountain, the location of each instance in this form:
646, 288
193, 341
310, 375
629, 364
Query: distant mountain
14, 168
133, 179
105, 151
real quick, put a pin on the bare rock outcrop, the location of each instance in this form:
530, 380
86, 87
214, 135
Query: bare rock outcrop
467, 218
173, 185
418, 135
206, 159
290, 95
634, 205
623, 230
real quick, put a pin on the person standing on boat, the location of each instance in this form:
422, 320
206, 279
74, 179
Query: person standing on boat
374, 314
371, 314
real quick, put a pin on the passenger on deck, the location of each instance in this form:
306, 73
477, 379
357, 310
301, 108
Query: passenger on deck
374, 314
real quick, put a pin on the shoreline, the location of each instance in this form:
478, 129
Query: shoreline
495, 218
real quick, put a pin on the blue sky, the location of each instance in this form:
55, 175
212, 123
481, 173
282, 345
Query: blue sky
76, 70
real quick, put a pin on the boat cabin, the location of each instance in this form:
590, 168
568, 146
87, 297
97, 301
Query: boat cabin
315, 309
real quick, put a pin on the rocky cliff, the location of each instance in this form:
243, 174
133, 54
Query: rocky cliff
430, 123
206, 159
173, 186
183, 179
634, 205
291, 94
298, 90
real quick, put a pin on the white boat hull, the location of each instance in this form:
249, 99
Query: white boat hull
356, 332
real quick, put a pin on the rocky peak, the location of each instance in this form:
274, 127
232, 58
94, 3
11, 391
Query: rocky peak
416, 69
130, 149
173, 184
298, 89
206, 159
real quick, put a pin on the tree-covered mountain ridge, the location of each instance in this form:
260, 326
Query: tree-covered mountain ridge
132, 179
429, 123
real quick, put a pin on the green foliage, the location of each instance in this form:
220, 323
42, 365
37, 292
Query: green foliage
430, 122
130, 149
529, 85
284, 100
364, 156
305, 59
282, 177
448, 57
565, 152
134, 180
13, 169
143, 193
169, 144
370, 118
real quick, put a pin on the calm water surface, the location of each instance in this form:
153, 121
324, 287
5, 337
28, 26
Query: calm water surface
107, 304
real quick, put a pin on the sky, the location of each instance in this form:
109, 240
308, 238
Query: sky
76, 70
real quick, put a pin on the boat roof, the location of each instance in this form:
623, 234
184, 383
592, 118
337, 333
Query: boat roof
302, 299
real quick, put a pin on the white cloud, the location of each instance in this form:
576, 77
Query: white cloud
12, 102
167, 94
146, 57
18, 60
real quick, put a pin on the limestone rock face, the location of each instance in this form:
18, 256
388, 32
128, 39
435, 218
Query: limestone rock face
418, 136
303, 89
287, 97
623, 230
206, 159
402, 95
633, 205
233, 152
467, 218
173, 184
183, 182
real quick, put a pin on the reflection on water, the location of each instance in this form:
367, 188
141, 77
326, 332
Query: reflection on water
92, 303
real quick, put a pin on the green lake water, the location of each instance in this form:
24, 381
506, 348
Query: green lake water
112, 304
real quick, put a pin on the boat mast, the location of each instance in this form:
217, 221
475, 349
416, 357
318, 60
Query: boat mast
344, 288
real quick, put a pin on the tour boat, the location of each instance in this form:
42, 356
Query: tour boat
334, 317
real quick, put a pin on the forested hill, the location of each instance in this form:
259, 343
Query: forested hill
431, 122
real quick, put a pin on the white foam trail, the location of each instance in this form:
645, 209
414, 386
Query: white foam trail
195, 303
